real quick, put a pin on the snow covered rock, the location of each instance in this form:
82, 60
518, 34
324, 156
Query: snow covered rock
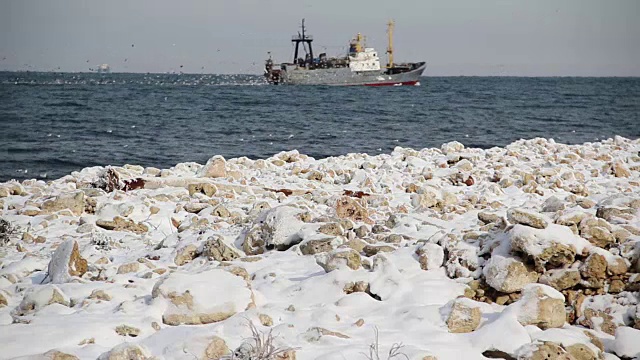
215, 249
72, 201
561, 279
126, 351
552, 247
37, 298
527, 217
627, 342
202, 188
430, 256
451, 147
214, 168
66, 263
185, 254
508, 274
121, 224
201, 298
350, 208
339, 258
581, 352
317, 246
543, 351
463, 316
216, 349
553, 204
276, 228
594, 270
541, 306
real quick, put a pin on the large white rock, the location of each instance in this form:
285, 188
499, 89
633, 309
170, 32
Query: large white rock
201, 298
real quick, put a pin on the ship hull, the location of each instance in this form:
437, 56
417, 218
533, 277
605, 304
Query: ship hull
346, 77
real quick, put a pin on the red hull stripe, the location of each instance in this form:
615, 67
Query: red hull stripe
393, 83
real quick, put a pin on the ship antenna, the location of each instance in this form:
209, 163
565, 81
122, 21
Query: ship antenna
390, 26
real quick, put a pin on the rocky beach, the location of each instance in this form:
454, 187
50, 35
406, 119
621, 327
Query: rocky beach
528, 251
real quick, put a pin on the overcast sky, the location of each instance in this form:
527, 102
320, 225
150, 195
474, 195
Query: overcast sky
455, 37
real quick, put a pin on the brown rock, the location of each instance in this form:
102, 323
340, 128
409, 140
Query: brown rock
581, 352
463, 318
371, 250
620, 169
561, 279
202, 188
617, 266
594, 267
71, 201
545, 351
77, 264
508, 275
350, 208
129, 268
125, 351
333, 229
122, 224
265, 320
216, 349
186, 254
325, 332
358, 286
100, 295
215, 248
214, 168
58, 355
526, 217
544, 307
488, 217
599, 236
313, 247
331, 261
594, 340
126, 330
592, 318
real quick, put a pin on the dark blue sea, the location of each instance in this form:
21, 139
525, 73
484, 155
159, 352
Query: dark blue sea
53, 123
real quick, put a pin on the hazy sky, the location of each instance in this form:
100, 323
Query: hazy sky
456, 37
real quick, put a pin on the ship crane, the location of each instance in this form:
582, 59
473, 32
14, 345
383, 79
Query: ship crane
390, 26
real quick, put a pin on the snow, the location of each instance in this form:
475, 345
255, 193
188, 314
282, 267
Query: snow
403, 301
627, 342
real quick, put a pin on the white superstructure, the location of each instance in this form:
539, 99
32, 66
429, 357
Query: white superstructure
366, 60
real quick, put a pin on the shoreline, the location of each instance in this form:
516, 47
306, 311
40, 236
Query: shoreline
455, 252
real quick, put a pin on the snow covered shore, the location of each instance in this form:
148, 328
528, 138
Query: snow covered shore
525, 252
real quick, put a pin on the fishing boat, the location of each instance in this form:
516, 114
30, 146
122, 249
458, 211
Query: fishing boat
360, 66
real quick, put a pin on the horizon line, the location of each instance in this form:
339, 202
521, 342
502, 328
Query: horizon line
254, 74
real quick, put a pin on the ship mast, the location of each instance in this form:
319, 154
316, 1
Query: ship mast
390, 26
304, 39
